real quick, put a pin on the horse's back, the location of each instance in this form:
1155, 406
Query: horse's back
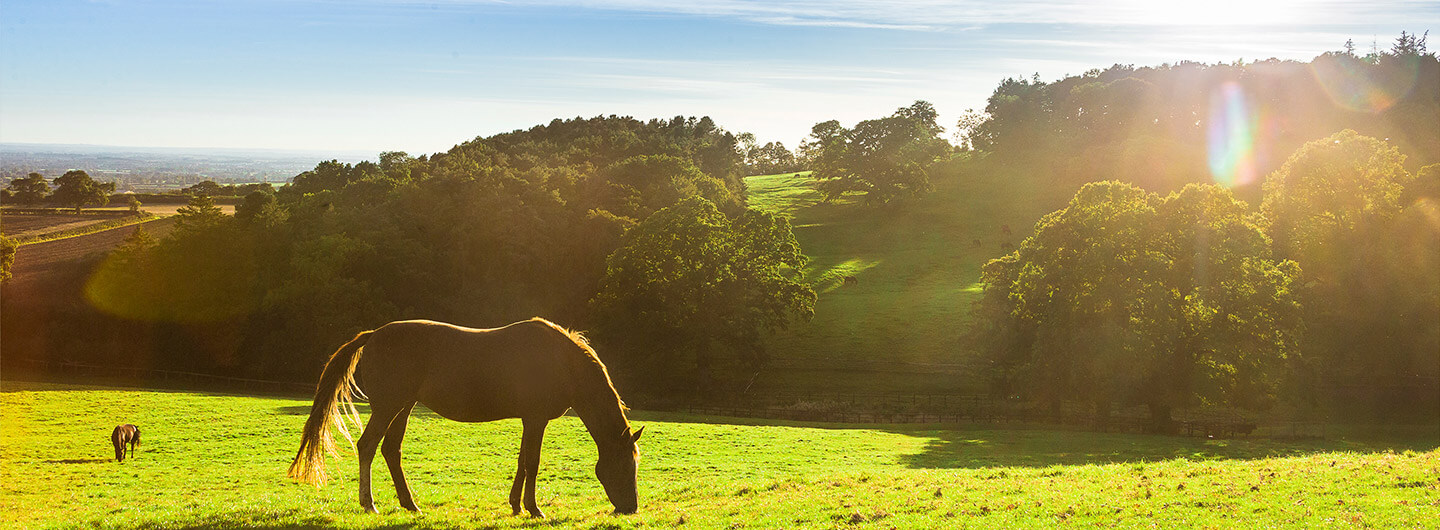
123, 433
470, 374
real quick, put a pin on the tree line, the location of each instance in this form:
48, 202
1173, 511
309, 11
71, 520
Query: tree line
74, 189
1326, 296
1167, 126
569, 220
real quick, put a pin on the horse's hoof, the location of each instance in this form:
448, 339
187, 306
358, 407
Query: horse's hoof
536, 513
371, 509
412, 507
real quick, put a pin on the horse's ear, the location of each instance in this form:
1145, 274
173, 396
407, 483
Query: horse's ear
636, 437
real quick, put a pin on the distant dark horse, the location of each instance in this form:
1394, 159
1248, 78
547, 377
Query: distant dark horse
122, 436
533, 370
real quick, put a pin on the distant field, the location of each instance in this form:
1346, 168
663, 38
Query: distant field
47, 271
164, 210
34, 228
218, 461
917, 268
28, 225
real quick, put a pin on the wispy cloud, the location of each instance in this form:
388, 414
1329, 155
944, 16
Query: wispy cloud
952, 15
834, 23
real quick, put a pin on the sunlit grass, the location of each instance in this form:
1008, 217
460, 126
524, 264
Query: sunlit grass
916, 267
216, 460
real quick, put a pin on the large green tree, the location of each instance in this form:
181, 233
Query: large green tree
30, 189
885, 158
76, 188
690, 285
199, 215
1126, 297
1363, 230
1323, 202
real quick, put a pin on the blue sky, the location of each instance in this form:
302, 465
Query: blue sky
420, 76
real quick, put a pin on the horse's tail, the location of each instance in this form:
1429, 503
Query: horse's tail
334, 404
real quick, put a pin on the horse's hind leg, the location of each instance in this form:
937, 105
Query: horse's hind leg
380, 419
390, 448
518, 486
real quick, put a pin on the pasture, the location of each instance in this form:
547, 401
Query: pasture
215, 460
916, 269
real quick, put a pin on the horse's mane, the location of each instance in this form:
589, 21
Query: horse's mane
590, 358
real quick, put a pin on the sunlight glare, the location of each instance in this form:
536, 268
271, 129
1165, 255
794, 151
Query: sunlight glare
1355, 88
1231, 136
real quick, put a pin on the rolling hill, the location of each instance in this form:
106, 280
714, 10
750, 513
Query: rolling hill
896, 327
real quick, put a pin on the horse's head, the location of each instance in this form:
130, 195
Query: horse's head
616, 470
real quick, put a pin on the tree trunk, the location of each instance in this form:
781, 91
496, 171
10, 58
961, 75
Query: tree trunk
1160, 421
703, 378
1102, 415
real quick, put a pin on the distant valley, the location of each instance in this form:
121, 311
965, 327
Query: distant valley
143, 169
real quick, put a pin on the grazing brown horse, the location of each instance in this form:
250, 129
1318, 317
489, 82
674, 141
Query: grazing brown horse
122, 436
533, 370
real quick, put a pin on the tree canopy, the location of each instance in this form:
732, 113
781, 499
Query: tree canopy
703, 287
29, 189
494, 230
1364, 230
76, 188
1126, 297
884, 159
1166, 126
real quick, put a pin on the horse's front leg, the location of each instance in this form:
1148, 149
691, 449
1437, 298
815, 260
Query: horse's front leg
530, 452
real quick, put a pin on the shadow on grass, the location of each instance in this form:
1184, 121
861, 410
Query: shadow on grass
973, 446
362, 408
292, 519
1038, 448
263, 519
79, 461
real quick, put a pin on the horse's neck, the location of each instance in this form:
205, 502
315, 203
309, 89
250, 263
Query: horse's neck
600, 412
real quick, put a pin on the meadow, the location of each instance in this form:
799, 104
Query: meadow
917, 268
215, 460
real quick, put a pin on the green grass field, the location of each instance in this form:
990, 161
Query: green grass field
917, 269
218, 461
